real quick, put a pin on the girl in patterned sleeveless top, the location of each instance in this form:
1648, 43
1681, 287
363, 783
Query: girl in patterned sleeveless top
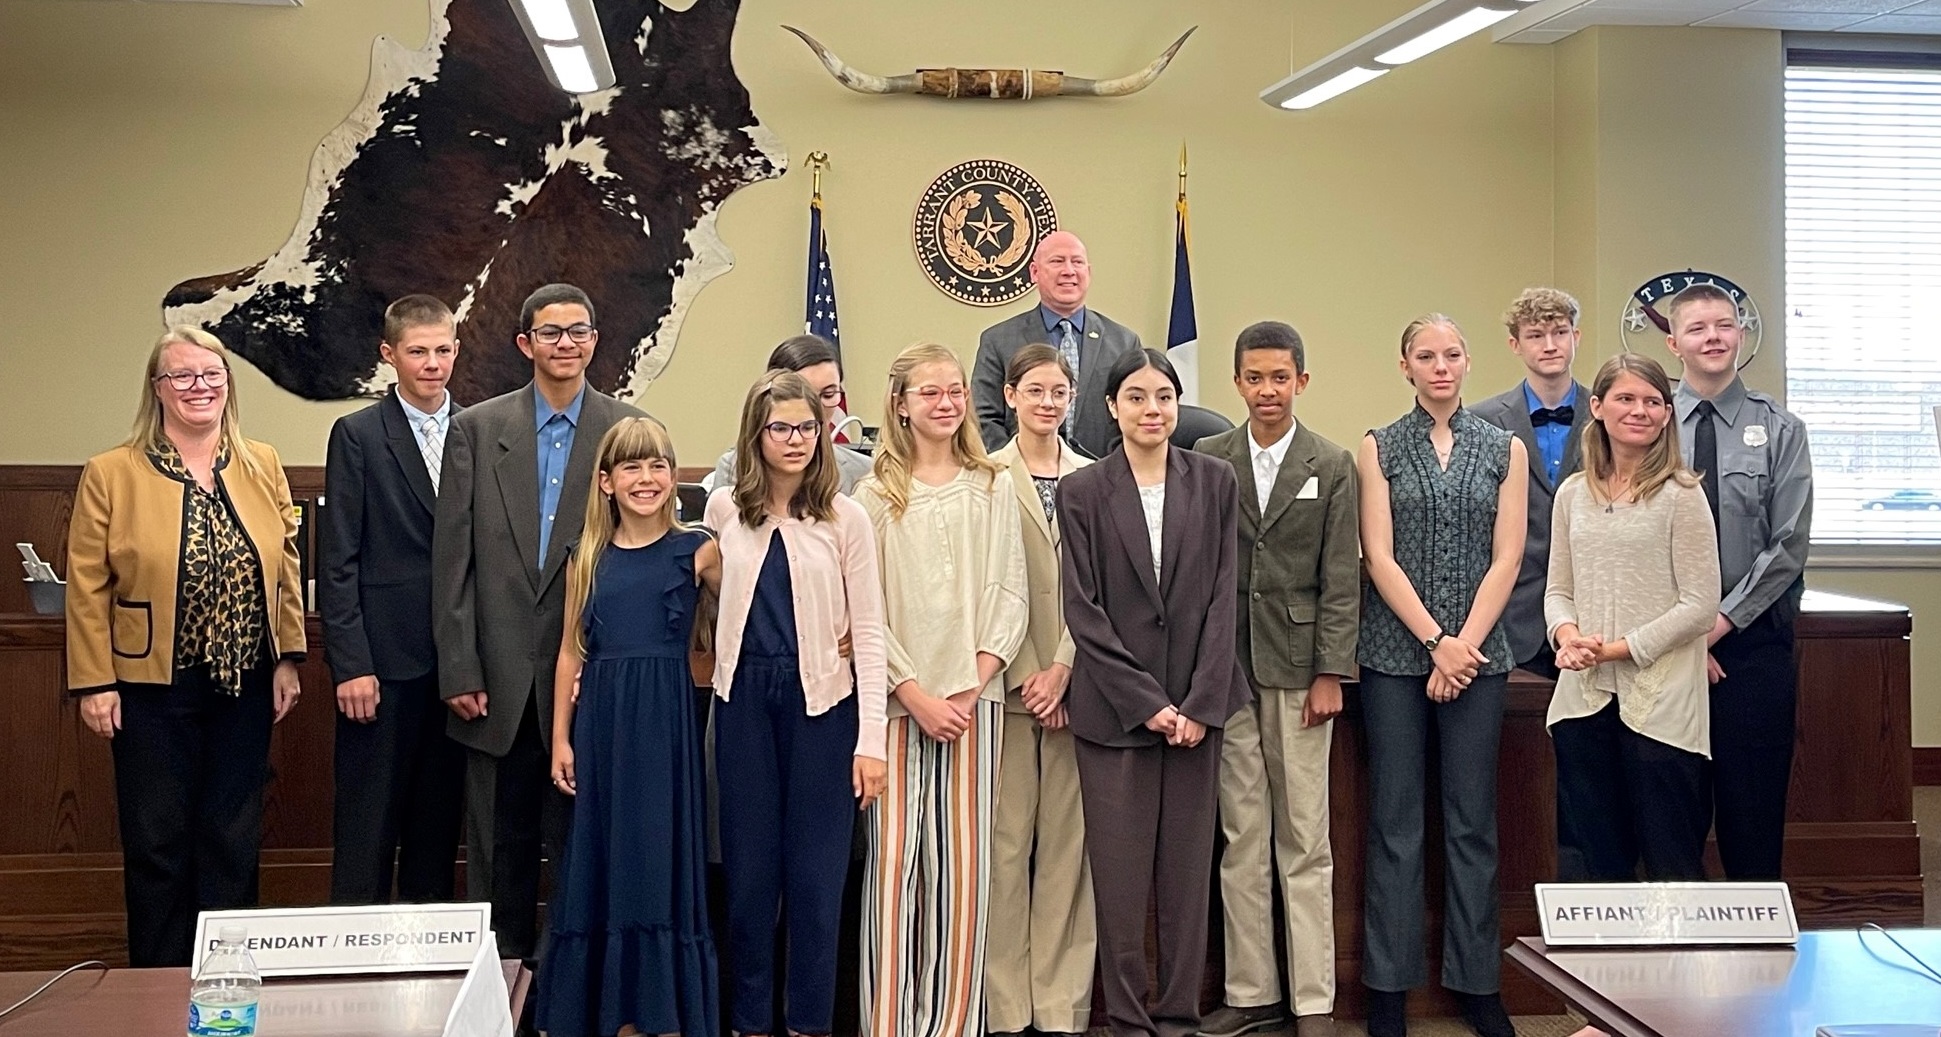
1443, 494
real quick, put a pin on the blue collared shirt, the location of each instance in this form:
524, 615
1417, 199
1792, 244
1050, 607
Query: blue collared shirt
556, 430
1051, 321
441, 418
1550, 437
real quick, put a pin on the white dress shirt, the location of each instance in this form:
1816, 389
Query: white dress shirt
1267, 462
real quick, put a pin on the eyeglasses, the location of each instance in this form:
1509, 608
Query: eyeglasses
930, 394
1038, 394
783, 432
549, 334
183, 381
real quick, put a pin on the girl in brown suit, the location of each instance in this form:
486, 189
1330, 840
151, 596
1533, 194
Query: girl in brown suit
184, 630
1149, 573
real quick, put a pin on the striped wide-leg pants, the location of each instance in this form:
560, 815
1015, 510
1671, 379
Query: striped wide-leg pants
926, 882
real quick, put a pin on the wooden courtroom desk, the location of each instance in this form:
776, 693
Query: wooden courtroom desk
1837, 977
1852, 854
155, 1003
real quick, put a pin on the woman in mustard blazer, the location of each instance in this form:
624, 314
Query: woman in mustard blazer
184, 630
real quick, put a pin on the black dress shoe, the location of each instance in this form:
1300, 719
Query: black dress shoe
1388, 1013
1484, 1013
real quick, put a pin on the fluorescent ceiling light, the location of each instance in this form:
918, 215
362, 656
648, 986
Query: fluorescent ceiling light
1441, 36
571, 69
1335, 87
551, 20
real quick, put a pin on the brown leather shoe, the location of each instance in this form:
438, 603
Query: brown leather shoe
1314, 1026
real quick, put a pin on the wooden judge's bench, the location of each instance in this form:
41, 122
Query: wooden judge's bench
1852, 855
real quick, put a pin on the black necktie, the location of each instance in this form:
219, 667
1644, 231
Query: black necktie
1563, 415
1705, 456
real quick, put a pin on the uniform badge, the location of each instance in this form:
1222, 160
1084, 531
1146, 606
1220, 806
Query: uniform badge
1755, 435
976, 227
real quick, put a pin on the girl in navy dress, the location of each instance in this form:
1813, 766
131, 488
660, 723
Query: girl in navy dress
629, 950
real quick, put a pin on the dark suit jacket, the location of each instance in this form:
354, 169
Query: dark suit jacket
374, 536
1299, 579
1523, 617
1145, 644
1093, 431
499, 605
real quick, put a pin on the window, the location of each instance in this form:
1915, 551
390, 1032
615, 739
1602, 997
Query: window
1863, 286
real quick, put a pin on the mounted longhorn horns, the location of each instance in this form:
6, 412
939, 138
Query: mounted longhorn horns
1002, 83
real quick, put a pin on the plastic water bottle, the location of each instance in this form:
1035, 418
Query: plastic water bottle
222, 1002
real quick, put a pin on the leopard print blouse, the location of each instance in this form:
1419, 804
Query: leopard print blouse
222, 619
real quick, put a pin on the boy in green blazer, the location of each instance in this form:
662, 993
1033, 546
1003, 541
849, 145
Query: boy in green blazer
1300, 608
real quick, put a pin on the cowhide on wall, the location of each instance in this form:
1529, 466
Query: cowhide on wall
463, 174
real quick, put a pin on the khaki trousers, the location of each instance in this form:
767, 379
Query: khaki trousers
1274, 813
1043, 937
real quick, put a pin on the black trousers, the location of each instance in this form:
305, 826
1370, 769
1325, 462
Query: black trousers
1753, 711
400, 790
1150, 815
190, 766
1622, 796
514, 818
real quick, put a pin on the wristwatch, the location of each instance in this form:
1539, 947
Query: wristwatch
1432, 642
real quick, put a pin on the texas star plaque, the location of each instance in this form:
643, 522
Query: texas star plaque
976, 227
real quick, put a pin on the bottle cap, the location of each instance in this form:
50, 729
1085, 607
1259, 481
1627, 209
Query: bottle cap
232, 933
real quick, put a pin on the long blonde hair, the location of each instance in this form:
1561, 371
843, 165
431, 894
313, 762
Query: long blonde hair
816, 497
898, 446
151, 437
630, 439
1662, 462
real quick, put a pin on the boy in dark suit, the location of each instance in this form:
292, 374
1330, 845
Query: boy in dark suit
1548, 411
400, 780
1300, 612
514, 499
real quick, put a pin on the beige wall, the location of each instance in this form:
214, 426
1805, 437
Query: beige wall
141, 144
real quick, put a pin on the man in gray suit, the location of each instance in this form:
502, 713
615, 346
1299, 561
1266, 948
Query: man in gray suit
1548, 411
1089, 341
511, 501
1300, 611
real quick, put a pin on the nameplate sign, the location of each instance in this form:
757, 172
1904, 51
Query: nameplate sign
1619, 914
341, 941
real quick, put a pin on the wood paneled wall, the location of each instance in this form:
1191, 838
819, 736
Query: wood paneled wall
1852, 852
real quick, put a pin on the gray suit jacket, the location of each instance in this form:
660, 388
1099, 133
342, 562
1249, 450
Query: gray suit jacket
1144, 643
1299, 562
1093, 430
497, 606
1523, 617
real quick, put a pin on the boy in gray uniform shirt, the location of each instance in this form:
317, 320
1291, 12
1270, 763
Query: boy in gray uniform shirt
1758, 474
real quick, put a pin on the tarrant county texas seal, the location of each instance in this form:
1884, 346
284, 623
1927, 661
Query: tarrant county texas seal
976, 227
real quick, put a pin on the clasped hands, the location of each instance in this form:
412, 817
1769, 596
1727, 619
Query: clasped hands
1179, 729
1577, 650
1456, 663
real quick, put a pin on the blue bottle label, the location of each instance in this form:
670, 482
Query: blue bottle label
222, 1020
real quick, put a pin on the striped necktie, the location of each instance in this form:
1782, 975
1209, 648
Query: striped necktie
433, 448
1068, 348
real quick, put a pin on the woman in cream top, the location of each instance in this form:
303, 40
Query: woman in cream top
1633, 591
952, 559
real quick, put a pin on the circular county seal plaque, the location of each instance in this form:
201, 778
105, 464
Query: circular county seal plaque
976, 228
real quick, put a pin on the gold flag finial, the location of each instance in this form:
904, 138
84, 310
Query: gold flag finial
818, 161
1182, 170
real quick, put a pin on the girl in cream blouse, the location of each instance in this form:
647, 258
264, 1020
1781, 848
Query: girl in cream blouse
1633, 592
952, 558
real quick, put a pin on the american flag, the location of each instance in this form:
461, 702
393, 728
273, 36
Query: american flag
819, 315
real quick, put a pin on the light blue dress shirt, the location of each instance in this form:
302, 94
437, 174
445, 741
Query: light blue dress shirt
1051, 321
1551, 437
416, 419
555, 429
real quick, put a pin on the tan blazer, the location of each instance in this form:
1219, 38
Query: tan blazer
124, 551
1046, 640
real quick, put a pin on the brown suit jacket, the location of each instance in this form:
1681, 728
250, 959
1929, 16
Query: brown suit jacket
1045, 638
124, 552
1299, 578
1145, 644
